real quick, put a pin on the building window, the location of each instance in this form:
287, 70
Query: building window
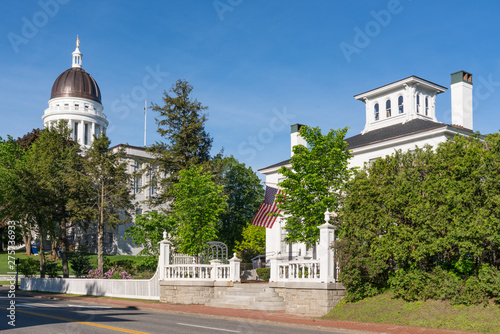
75, 131
375, 110
400, 105
137, 178
86, 134
77, 106
388, 108
418, 104
152, 181
426, 106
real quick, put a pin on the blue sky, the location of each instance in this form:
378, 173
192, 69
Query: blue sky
258, 65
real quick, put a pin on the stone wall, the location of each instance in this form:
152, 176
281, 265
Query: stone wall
191, 292
314, 299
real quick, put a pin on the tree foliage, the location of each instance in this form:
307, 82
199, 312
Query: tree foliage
197, 205
253, 243
147, 231
181, 122
314, 183
410, 216
244, 196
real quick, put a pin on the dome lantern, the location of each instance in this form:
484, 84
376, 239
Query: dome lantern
77, 55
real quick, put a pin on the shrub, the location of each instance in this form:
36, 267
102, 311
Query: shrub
124, 265
80, 263
29, 267
110, 274
264, 273
149, 263
52, 269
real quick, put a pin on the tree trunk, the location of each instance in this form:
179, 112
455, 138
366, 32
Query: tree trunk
64, 249
27, 237
42, 255
100, 233
53, 253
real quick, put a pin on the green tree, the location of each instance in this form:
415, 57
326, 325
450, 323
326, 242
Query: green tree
181, 122
197, 205
253, 243
314, 183
147, 231
109, 189
244, 193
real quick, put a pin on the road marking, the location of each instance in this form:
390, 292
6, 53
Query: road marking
215, 329
89, 306
124, 330
25, 305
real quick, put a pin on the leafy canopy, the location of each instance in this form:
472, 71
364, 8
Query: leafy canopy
314, 183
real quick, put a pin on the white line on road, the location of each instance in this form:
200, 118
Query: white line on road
89, 306
25, 305
215, 329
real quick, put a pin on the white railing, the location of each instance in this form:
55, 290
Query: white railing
188, 272
183, 259
302, 270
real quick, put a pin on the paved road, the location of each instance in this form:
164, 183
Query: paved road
33, 315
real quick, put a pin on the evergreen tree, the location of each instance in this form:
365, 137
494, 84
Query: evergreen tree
181, 122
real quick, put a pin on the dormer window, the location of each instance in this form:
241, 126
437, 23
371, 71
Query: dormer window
375, 110
418, 104
388, 108
400, 105
426, 106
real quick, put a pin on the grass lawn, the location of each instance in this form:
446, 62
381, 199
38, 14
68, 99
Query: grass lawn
4, 260
431, 314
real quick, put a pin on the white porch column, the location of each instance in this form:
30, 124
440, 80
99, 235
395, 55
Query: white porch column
234, 269
164, 259
325, 252
81, 126
92, 134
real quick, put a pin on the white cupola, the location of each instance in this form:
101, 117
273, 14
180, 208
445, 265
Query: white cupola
400, 102
76, 98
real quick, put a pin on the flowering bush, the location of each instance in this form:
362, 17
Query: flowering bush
110, 274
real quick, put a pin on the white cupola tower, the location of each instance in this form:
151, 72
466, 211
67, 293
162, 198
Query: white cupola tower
400, 102
76, 98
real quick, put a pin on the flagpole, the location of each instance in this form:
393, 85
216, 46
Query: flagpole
145, 112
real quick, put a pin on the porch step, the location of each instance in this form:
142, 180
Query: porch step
250, 297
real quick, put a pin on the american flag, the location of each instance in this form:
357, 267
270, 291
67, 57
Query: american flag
269, 206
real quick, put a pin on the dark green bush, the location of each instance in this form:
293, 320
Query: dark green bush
264, 273
29, 267
52, 269
125, 265
80, 263
149, 263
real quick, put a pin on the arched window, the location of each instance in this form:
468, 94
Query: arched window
400, 105
426, 106
418, 104
375, 110
388, 108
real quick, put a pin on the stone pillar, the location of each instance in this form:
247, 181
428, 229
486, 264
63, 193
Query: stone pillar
325, 253
92, 134
164, 259
234, 269
81, 133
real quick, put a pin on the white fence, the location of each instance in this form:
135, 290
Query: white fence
141, 289
324, 269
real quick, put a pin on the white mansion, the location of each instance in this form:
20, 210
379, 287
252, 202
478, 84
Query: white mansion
399, 116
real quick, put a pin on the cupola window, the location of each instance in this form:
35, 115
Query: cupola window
426, 106
400, 105
375, 110
388, 108
86, 134
418, 104
75, 132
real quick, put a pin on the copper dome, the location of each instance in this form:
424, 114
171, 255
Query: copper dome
76, 82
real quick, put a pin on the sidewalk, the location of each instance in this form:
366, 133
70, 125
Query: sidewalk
264, 316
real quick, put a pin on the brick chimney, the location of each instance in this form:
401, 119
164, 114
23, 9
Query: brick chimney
461, 99
295, 137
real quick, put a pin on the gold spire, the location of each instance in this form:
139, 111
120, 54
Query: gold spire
77, 42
